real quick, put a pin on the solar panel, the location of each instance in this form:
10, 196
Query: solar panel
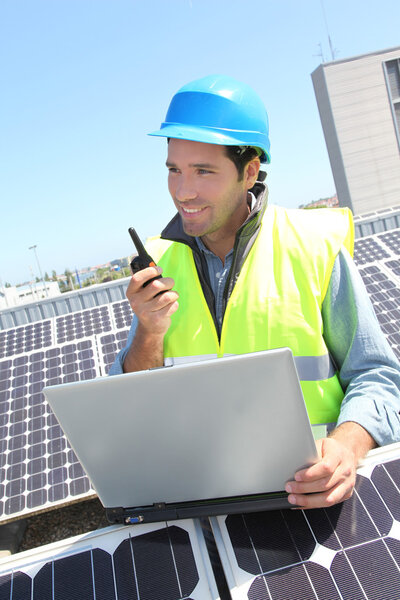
385, 297
38, 468
109, 345
394, 266
145, 562
350, 551
368, 249
81, 324
392, 240
26, 338
122, 313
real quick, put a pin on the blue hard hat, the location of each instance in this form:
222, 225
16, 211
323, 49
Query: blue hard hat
218, 110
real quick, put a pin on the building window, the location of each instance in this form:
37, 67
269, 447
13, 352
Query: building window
397, 115
392, 73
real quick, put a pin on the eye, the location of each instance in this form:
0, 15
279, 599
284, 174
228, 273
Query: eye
173, 170
204, 171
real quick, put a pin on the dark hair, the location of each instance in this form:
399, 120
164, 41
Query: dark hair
240, 156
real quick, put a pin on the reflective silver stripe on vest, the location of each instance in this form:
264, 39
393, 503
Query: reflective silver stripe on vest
309, 368
181, 360
314, 368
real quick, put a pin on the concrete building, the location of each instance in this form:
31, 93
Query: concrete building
16, 296
359, 104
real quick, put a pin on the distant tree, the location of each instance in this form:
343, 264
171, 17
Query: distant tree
70, 280
54, 275
46, 276
8, 285
102, 273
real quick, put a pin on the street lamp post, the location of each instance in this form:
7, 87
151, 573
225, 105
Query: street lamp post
40, 270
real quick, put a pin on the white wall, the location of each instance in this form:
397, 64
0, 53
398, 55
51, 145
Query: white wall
360, 134
16, 296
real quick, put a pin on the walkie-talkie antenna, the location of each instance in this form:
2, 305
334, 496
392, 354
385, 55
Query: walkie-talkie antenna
137, 241
143, 259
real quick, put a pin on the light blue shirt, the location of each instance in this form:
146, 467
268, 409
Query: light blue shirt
368, 369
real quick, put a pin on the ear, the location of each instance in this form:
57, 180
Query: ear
251, 172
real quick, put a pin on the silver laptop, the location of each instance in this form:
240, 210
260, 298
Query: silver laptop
203, 438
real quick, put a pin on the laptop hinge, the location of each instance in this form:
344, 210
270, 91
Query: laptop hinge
159, 511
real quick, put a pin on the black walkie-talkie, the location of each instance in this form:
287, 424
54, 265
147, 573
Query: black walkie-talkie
143, 259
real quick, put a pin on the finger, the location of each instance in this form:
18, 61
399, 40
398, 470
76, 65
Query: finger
172, 308
158, 286
156, 319
139, 294
345, 472
320, 470
162, 300
311, 487
338, 493
141, 277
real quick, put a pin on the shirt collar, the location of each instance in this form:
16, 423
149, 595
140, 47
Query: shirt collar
203, 248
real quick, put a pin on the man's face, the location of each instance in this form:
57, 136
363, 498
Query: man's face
204, 186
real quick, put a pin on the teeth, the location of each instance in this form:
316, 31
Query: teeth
192, 210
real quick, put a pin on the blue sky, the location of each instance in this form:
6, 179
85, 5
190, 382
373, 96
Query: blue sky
83, 81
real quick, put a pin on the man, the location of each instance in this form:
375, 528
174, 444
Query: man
243, 277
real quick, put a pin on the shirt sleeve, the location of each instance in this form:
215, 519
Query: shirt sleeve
368, 368
117, 366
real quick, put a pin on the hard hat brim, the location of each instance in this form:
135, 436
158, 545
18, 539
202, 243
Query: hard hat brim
209, 135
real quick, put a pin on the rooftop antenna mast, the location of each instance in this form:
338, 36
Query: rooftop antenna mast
333, 52
320, 53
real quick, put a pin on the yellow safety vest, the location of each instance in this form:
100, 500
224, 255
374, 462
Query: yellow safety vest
276, 300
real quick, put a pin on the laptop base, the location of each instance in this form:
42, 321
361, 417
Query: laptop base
190, 510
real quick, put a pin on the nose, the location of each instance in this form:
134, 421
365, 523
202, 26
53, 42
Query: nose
185, 189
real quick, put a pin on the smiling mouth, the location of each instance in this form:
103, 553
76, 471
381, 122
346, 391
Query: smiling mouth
192, 211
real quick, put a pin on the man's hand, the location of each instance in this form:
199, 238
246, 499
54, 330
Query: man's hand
152, 308
153, 311
331, 479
